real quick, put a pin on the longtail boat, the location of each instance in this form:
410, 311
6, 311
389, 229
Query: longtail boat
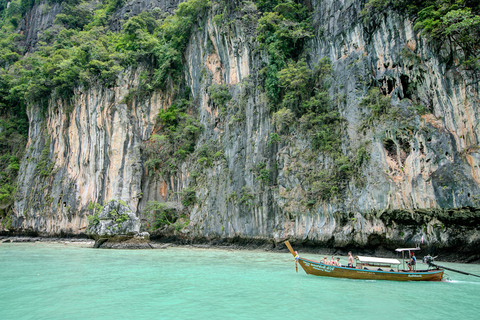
369, 268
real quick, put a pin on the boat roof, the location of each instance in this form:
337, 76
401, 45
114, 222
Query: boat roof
377, 260
406, 249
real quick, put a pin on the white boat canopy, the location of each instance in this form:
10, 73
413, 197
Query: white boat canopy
406, 249
376, 260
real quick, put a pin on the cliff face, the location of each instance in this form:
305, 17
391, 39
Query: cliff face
420, 180
37, 20
88, 155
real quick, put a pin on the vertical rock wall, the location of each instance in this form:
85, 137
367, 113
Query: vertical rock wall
88, 152
37, 20
416, 162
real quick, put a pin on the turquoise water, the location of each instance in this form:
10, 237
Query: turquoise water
57, 281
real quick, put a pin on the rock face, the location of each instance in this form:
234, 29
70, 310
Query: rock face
40, 18
91, 155
114, 220
133, 8
422, 169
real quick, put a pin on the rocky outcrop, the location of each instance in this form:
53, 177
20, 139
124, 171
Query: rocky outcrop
117, 227
114, 220
40, 18
135, 7
419, 164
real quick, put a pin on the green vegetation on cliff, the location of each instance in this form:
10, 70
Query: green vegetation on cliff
450, 25
80, 51
282, 32
161, 215
177, 134
308, 109
300, 97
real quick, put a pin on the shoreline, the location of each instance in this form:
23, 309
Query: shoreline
228, 244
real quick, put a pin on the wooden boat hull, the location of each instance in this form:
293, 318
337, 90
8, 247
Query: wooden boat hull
320, 269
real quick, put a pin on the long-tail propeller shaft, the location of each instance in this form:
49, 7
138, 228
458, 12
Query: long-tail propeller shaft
429, 260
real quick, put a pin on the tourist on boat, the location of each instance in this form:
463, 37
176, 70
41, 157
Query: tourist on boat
332, 262
350, 259
324, 261
412, 262
337, 263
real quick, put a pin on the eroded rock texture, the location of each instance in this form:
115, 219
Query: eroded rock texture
115, 220
421, 168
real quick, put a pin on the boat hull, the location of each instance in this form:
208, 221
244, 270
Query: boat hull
320, 269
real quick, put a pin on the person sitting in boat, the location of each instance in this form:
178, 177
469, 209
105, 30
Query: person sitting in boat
337, 263
412, 262
332, 262
324, 261
350, 259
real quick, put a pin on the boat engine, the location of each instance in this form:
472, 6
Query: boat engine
428, 260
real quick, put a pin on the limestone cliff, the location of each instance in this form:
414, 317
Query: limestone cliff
419, 181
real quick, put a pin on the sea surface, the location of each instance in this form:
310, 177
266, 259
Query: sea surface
68, 281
